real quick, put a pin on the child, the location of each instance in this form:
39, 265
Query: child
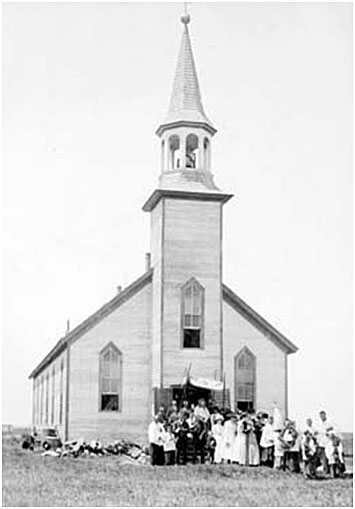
334, 454
279, 450
309, 455
211, 446
169, 445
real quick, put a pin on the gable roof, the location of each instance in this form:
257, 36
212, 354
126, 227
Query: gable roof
93, 319
258, 321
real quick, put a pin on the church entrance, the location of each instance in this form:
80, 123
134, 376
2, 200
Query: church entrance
191, 394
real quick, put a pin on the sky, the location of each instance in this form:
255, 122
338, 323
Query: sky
85, 86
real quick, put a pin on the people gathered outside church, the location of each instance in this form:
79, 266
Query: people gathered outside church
195, 433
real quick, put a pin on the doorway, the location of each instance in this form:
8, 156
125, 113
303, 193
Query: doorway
191, 394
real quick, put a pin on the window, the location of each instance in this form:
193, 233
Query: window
61, 388
34, 401
42, 399
53, 395
38, 388
244, 364
110, 374
192, 314
47, 397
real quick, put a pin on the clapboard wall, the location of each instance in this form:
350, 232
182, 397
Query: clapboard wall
187, 243
49, 395
129, 329
271, 371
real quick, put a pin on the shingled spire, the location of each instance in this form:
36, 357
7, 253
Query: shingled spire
185, 102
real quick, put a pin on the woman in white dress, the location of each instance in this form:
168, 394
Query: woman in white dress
217, 432
229, 436
237, 443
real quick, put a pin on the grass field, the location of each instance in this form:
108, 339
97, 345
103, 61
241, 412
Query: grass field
32, 480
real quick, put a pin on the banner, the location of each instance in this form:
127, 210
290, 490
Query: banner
206, 383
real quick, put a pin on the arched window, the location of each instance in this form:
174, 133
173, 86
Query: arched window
47, 399
191, 151
61, 392
110, 383
192, 314
41, 382
245, 387
53, 396
206, 154
174, 147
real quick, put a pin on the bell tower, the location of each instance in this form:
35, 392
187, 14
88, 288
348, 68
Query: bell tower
186, 132
186, 238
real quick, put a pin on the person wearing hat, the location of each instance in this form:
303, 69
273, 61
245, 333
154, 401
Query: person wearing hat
249, 448
229, 436
217, 432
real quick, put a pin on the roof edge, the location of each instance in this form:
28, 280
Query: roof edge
93, 319
156, 196
182, 123
254, 317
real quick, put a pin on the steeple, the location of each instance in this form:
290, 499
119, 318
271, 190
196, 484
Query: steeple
185, 102
186, 132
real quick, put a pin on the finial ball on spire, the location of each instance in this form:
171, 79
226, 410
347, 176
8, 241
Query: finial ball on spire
185, 19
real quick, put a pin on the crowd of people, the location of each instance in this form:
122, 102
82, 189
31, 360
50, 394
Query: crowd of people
197, 433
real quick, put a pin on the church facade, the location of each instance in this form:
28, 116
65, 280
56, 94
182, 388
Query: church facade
106, 377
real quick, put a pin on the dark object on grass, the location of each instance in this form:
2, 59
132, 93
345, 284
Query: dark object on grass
28, 442
48, 438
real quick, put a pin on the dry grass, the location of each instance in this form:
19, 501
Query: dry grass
32, 480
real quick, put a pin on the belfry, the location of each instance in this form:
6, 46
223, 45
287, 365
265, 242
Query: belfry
177, 325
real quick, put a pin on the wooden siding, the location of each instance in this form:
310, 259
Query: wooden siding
189, 247
129, 329
270, 360
156, 243
40, 389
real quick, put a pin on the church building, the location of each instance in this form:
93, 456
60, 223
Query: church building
178, 323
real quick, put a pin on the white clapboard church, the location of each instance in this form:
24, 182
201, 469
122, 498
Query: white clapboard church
105, 377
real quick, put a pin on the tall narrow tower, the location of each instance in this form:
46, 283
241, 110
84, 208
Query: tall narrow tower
186, 237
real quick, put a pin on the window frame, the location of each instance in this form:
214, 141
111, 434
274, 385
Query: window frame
191, 283
111, 345
244, 350
53, 396
47, 399
61, 392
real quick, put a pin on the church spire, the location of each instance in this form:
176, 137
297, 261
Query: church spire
186, 132
185, 103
